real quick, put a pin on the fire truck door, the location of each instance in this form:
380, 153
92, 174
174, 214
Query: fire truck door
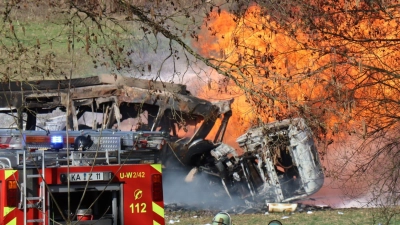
103, 201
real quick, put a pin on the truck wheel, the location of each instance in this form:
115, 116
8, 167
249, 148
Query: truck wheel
197, 149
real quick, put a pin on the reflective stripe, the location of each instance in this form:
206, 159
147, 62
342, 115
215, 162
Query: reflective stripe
12, 222
158, 209
7, 210
157, 167
8, 173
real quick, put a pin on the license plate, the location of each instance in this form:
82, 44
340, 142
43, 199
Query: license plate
76, 177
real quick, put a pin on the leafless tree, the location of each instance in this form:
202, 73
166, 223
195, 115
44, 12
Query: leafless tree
333, 63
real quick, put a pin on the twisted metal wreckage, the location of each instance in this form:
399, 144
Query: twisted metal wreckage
280, 162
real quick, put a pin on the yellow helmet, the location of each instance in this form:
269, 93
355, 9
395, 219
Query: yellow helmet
222, 218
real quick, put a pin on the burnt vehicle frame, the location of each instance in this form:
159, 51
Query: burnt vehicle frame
280, 162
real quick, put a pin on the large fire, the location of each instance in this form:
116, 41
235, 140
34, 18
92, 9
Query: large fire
283, 74
265, 60
341, 75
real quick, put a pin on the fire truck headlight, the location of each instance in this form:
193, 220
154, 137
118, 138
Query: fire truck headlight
56, 142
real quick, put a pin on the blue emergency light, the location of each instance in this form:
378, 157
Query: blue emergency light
56, 142
56, 139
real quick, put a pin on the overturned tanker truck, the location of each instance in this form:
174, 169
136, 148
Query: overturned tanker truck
280, 162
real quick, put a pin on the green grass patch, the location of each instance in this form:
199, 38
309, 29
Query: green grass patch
325, 217
37, 47
37, 43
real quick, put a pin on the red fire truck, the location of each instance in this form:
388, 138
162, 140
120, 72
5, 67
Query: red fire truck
80, 177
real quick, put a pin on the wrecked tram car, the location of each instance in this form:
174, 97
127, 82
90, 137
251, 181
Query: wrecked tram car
280, 162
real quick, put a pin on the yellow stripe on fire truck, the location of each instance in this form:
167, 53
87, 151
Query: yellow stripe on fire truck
8, 173
157, 209
12, 222
7, 210
157, 167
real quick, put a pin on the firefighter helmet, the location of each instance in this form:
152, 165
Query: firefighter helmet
222, 218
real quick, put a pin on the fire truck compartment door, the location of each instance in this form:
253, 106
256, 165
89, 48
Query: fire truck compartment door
112, 192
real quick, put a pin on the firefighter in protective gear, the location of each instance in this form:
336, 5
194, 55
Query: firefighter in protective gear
222, 218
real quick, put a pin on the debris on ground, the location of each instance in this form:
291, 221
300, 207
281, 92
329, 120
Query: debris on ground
281, 207
199, 211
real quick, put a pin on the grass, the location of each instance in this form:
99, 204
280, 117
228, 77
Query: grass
46, 44
35, 41
325, 217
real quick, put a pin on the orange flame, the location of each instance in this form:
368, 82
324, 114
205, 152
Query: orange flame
301, 71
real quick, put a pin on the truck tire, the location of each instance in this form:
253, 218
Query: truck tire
195, 151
